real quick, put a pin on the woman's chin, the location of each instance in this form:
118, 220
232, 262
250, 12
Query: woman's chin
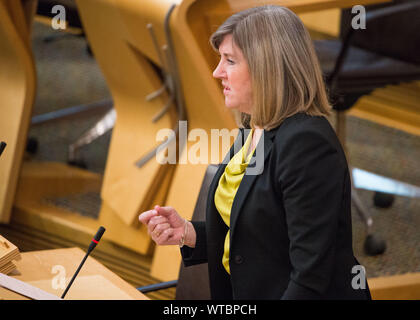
230, 105
239, 107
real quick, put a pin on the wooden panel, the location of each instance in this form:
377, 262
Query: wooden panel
130, 77
398, 287
223, 9
394, 106
17, 92
325, 22
39, 181
299, 5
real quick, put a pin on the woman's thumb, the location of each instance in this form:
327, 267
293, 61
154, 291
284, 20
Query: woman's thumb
163, 211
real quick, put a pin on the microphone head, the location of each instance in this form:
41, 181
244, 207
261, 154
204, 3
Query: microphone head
96, 238
99, 234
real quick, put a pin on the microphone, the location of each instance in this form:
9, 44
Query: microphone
92, 246
96, 239
2, 146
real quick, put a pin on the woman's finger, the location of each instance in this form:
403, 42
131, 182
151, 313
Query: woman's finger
147, 215
162, 239
154, 222
165, 211
157, 231
158, 219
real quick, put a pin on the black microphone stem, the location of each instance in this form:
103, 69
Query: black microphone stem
92, 246
75, 274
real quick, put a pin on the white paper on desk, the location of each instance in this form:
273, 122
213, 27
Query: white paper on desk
25, 289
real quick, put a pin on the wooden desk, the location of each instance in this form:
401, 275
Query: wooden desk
94, 282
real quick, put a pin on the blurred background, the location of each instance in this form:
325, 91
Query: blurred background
382, 135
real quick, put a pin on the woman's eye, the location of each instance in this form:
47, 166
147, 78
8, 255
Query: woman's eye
230, 61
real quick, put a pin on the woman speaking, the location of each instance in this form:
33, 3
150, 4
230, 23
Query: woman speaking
284, 232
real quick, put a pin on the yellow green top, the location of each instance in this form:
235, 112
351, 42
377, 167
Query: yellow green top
228, 186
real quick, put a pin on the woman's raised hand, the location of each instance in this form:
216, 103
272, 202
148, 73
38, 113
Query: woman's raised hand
166, 226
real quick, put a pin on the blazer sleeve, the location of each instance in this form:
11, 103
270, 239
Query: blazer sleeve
198, 254
311, 177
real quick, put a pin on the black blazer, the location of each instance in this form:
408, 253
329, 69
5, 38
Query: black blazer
291, 234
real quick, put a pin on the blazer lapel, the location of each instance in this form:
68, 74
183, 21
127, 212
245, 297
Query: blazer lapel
239, 141
255, 168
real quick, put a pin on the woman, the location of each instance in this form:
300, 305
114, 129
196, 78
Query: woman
284, 233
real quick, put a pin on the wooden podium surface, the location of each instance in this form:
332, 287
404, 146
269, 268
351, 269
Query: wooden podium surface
47, 269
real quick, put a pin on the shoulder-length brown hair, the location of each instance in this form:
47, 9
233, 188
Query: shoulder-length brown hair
285, 73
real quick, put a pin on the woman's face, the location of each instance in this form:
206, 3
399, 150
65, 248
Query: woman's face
233, 71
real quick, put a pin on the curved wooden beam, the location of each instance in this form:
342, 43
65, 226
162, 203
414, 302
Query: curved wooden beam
17, 92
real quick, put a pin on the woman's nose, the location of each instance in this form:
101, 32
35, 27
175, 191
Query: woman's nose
218, 73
